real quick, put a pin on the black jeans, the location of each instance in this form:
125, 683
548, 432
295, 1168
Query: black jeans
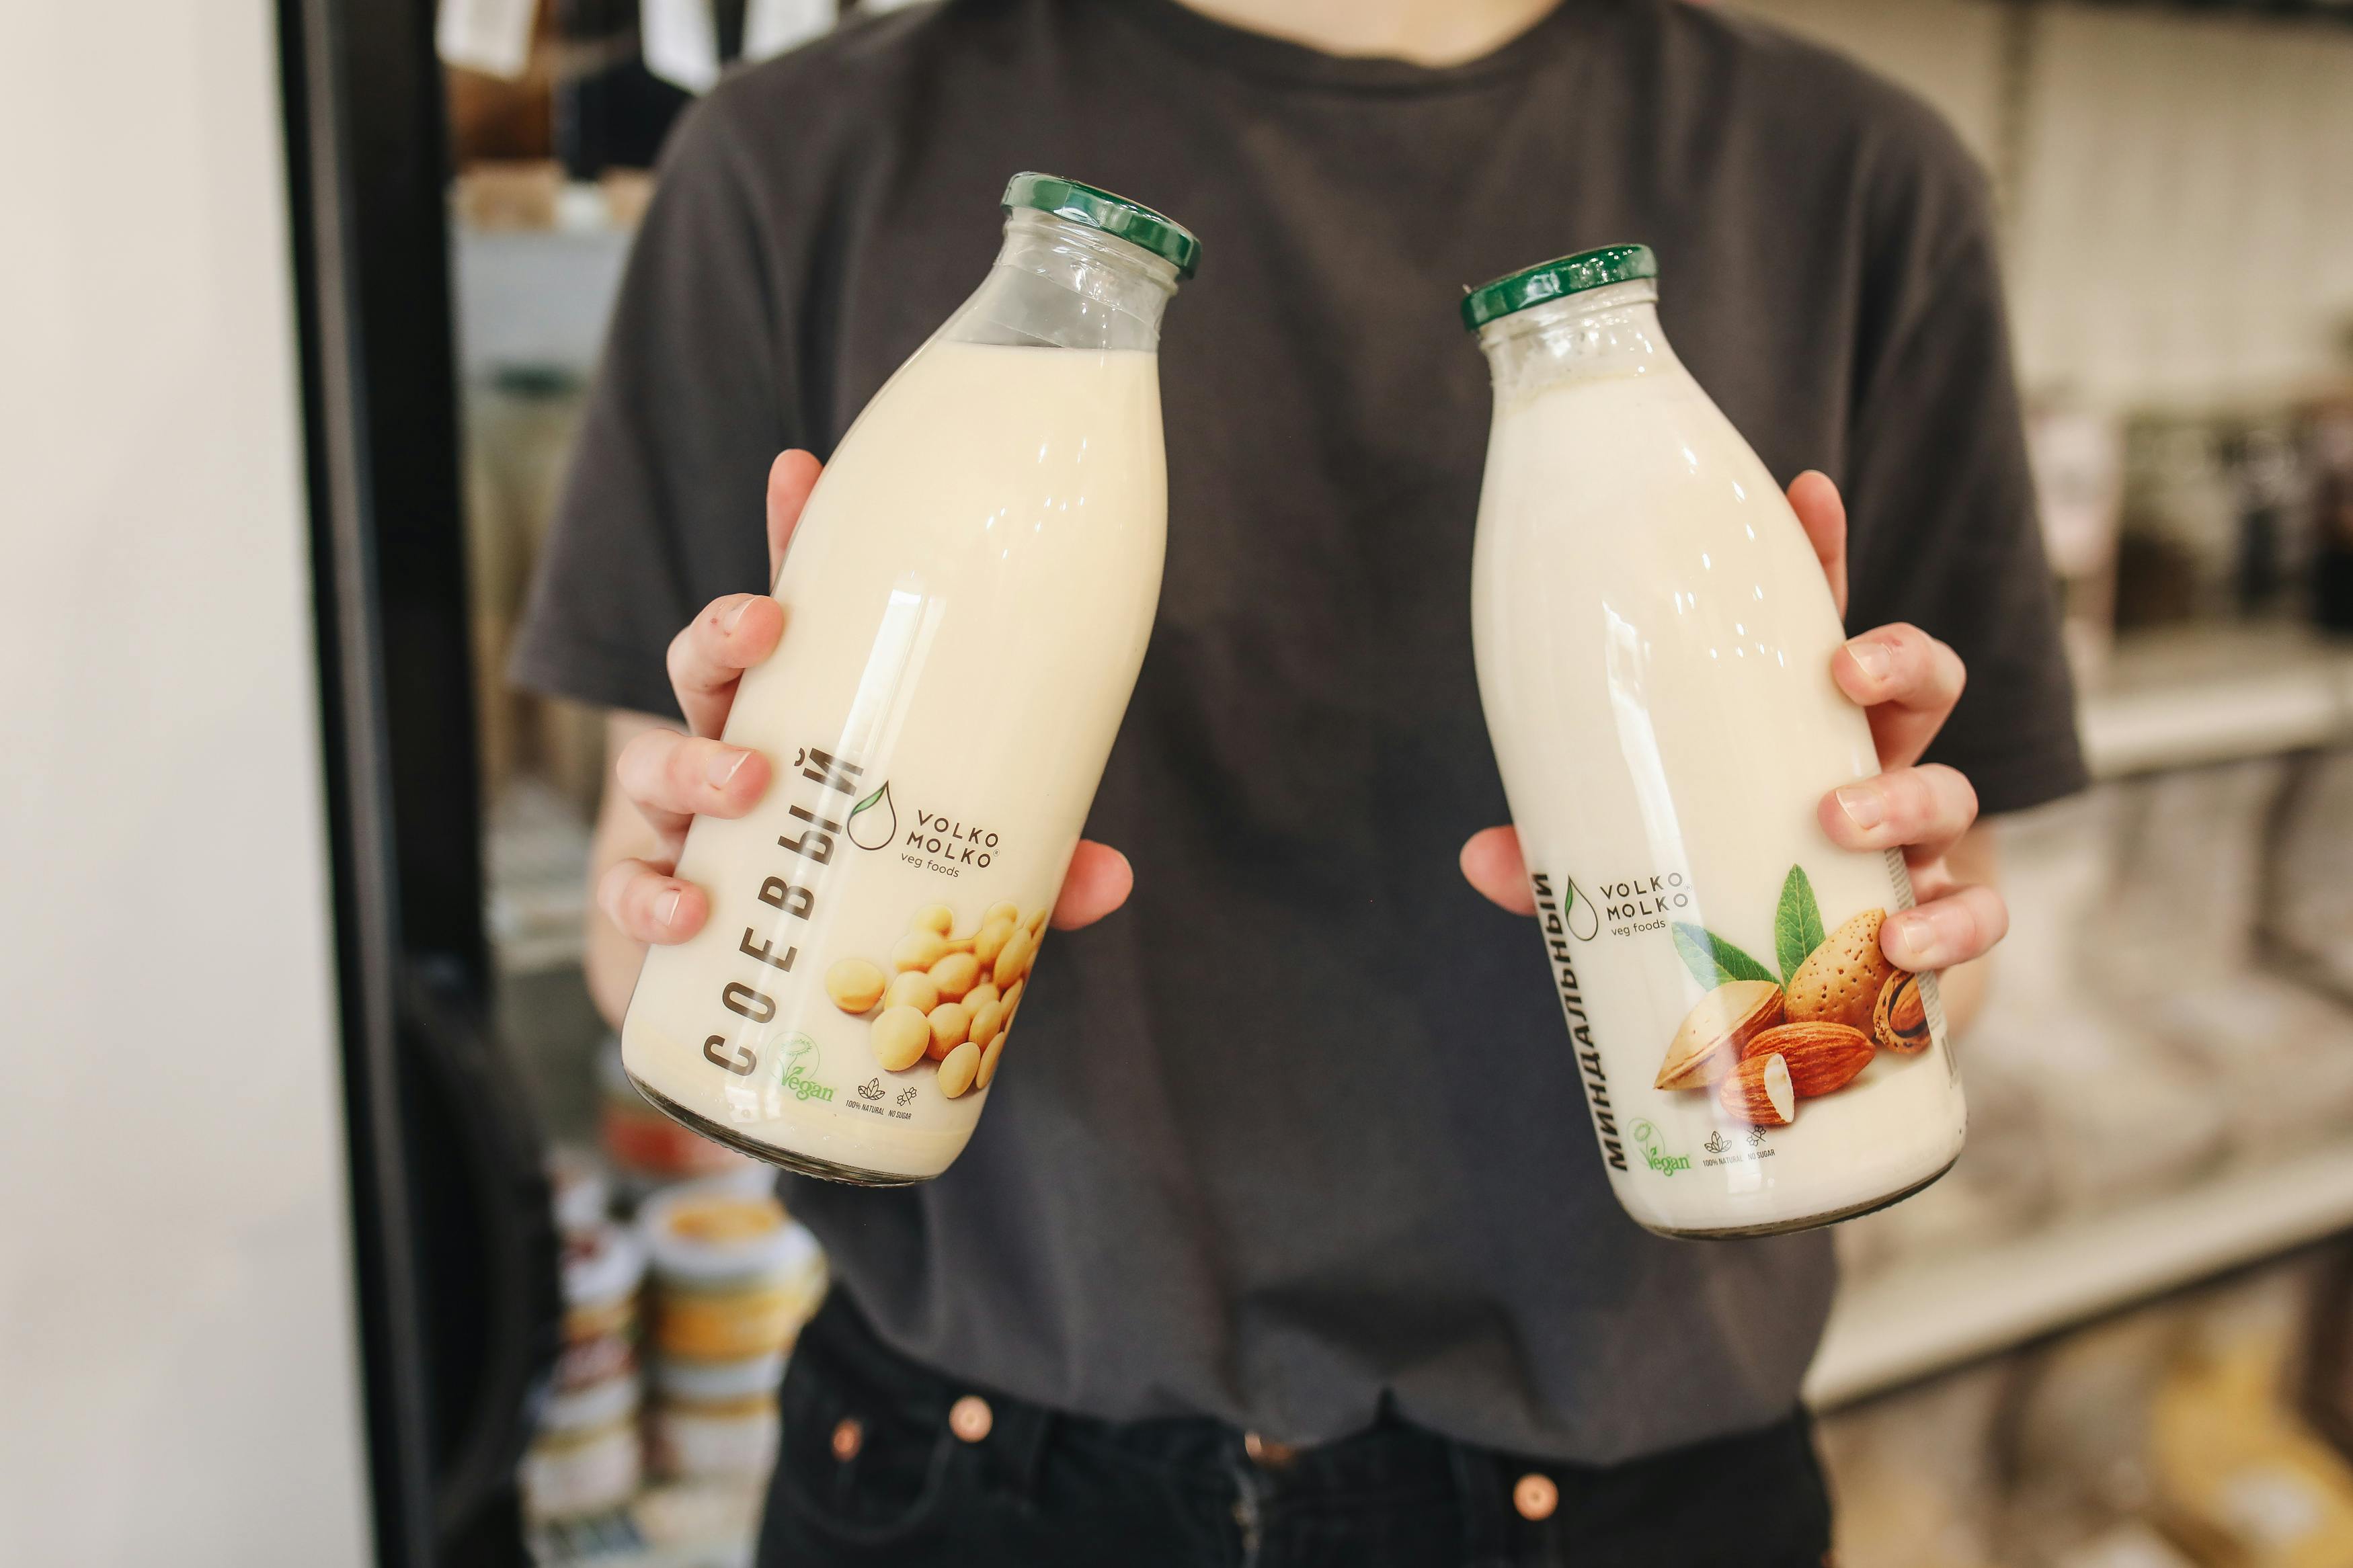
885, 1462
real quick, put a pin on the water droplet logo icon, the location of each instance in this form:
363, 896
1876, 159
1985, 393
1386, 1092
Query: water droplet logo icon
873, 822
1583, 919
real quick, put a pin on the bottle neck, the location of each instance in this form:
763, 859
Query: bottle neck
1598, 332
1060, 284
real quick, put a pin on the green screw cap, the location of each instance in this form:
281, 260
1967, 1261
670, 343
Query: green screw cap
1132, 221
1552, 279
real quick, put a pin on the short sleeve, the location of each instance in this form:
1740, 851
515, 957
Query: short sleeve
1944, 530
663, 509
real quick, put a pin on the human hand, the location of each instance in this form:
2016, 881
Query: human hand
672, 778
1907, 683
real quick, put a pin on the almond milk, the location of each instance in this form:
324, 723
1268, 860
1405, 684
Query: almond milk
1654, 640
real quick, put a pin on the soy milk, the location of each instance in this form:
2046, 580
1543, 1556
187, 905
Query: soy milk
1655, 640
967, 603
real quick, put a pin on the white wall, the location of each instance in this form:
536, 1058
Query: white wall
2182, 221
177, 1361
1947, 51
2185, 228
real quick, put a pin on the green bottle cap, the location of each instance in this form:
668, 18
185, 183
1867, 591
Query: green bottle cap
1132, 221
1551, 280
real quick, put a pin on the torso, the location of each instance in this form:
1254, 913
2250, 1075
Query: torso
1299, 1128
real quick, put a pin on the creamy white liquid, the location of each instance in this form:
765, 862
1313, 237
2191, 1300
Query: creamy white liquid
966, 604
1654, 640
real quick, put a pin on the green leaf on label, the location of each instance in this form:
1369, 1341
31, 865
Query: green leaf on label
870, 799
1797, 924
1713, 961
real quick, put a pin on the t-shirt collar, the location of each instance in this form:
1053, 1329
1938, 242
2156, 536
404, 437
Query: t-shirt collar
1266, 57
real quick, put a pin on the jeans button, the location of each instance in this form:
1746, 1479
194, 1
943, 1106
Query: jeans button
849, 1437
970, 1418
1535, 1497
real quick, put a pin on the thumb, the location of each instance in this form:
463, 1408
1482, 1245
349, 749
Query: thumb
1493, 863
1822, 514
791, 478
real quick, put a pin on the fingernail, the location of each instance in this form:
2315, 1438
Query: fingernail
666, 907
1862, 805
723, 766
1869, 657
1924, 939
733, 617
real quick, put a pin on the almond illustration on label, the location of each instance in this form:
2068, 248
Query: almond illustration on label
1821, 1058
1759, 1090
1762, 1041
1839, 982
1713, 1033
1899, 1021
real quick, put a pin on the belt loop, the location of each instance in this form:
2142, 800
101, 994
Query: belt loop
1479, 1487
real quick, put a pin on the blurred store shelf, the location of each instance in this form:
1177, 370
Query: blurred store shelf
1922, 1318
536, 298
538, 859
2181, 698
669, 1525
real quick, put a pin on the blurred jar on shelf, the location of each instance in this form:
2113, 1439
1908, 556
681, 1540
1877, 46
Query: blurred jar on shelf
2077, 454
587, 1458
587, 1455
603, 1270
2269, 482
735, 1278
2328, 447
582, 1198
2175, 550
716, 1420
2215, 526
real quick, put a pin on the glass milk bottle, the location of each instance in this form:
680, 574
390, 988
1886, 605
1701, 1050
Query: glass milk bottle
1654, 638
966, 600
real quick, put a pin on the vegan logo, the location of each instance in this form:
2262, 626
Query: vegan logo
1646, 1138
875, 822
799, 1077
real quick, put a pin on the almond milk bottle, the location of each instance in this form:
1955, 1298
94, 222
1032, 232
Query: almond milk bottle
1654, 640
966, 600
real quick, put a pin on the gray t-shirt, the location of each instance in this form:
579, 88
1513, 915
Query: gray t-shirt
1298, 1130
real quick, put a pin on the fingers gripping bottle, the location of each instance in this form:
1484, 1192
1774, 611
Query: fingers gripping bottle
1654, 636
966, 600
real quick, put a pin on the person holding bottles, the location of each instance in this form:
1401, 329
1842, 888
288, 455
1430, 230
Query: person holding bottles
1286, 1244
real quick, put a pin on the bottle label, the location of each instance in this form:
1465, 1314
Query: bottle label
895, 910
1761, 1029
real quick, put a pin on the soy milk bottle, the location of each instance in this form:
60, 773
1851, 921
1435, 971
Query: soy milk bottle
967, 602
1654, 638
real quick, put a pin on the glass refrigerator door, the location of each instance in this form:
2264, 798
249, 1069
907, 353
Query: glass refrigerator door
647, 1449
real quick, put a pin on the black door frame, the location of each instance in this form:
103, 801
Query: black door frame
365, 175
